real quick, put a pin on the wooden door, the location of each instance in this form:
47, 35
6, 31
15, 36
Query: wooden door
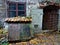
50, 18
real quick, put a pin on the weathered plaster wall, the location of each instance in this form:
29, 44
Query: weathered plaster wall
37, 14
59, 21
17, 0
2, 9
37, 17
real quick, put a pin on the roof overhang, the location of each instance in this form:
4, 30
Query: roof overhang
42, 5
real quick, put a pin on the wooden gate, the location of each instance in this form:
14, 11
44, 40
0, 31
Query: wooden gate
50, 18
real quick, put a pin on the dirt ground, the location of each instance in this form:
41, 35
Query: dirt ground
42, 39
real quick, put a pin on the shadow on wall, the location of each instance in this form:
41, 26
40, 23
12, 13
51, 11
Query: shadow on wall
1, 25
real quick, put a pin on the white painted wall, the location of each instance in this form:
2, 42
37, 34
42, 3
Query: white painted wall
37, 17
29, 7
37, 14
